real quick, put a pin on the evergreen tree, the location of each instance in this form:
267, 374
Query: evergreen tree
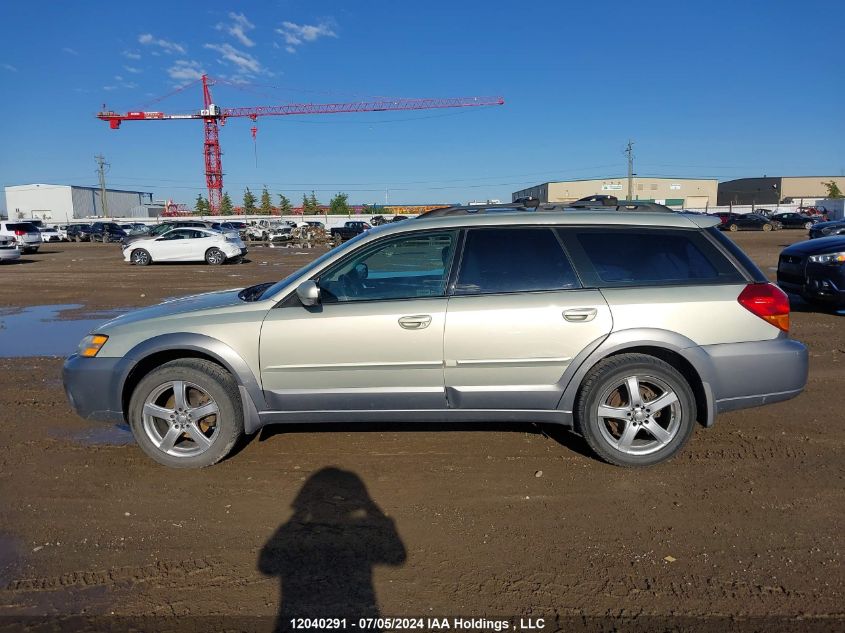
285, 207
833, 190
226, 206
201, 205
339, 205
266, 207
313, 203
249, 202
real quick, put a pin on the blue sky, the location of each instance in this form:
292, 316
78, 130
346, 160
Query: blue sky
715, 89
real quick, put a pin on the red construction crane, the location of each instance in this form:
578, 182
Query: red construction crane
214, 116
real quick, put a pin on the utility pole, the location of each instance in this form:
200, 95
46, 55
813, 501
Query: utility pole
101, 171
629, 150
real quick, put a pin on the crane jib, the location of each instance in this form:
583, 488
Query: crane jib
214, 116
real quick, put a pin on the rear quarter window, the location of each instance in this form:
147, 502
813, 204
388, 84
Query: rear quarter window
646, 256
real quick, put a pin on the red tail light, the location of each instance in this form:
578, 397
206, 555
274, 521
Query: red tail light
19, 232
768, 302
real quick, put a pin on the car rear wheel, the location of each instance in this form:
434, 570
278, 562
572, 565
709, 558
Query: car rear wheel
808, 225
733, 227
214, 256
187, 413
141, 257
635, 410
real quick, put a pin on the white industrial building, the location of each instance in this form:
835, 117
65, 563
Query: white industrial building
64, 203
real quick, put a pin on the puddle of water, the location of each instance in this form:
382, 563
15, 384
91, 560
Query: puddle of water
38, 330
111, 435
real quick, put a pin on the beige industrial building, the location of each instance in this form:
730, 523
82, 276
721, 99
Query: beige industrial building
693, 193
776, 189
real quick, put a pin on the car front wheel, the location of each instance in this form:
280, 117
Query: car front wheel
141, 257
187, 413
635, 410
767, 227
733, 227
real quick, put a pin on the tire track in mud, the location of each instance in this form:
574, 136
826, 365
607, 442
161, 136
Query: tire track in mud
161, 571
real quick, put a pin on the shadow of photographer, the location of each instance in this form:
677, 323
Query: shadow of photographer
325, 553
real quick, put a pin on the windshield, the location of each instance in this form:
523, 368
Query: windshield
276, 287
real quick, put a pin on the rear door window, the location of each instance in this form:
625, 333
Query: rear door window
513, 259
610, 257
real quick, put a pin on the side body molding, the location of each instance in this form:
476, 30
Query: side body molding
251, 394
621, 340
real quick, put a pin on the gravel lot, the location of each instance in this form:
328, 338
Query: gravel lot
744, 528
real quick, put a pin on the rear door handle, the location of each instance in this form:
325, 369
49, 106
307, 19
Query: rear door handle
415, 322
580, 314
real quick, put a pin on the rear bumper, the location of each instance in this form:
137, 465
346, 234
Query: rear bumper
757, 373
92, 386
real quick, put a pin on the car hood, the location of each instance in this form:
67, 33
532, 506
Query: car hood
833, 224
175, 307
831, 244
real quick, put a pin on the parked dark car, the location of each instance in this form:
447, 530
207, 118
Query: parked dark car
398, 218
792, 220
105, 232
815, 270
78, 232
824, 229
378, 220
747, 222
350, 229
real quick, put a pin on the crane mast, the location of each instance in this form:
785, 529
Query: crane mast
214, 116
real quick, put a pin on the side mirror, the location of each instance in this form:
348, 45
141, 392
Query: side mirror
308, 293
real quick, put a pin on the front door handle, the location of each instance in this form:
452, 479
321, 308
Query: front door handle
416, 322
580, 314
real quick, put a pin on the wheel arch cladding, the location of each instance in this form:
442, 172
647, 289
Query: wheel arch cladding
154, 352
670, 347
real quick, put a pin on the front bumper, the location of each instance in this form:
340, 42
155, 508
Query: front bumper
756, 373
819, 283
92, 386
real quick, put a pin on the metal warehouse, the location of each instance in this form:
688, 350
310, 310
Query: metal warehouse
775, 189
697, 193
64, 203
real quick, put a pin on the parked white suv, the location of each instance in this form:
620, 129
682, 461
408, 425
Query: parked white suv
26, 235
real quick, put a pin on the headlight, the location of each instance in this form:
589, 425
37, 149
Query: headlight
91, 345
829, 258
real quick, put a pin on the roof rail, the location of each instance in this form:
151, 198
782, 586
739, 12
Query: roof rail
534, 206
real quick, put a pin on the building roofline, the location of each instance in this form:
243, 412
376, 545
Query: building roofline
625, 177
35, 185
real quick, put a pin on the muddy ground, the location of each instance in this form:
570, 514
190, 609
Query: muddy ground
745, 527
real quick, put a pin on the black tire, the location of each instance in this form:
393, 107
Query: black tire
140, 257
215, 257
808, 225
218, 384
733, 227
600, 431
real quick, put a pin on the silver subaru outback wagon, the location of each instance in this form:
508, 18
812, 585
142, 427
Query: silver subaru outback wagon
627, 327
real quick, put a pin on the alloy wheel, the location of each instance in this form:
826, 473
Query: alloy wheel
639, 415
180, 418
